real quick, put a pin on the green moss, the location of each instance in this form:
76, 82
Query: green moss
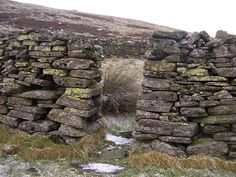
197, 72
219, 119
202, 141
59, 48
21, 64
57, 72
185, 90
84, 92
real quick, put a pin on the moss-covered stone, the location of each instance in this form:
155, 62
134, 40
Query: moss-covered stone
81, 113
159, 66
56, 72
22, 37
59, 48
29, 43
21, 64
197, 72
219, 119
207, 79
84, 92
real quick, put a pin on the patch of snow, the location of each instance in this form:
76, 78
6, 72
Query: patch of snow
118, 140
102, 168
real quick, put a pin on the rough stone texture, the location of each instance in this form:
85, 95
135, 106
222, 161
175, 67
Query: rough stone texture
49, 84
188, 94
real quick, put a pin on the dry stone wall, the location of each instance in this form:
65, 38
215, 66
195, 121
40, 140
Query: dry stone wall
50, 84
188, 101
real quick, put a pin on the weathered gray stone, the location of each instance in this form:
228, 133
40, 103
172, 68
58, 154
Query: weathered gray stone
227, 72
24, 115
160, 84
77, 103
207, 79
176, 35
160, 96
19, 101
73, 82
205, 36
219, 119
159, 66
39, 54
234, 128
38, 126
167, 128
174, 139
36, 81
208, 146
73, 63
10, 121
30, 109
86, 74
39, 94
194, 112
225, 136
212, 129
3, 99
63, 117
167, 46
154, 106
82, 113
146, 115
84, 92
208, 103
225, 109
186, 104
55, 72
223, 94
3, 109
67, 130
167, 148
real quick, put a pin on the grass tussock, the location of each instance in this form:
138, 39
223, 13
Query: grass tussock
121, 83
166, 161
31, 148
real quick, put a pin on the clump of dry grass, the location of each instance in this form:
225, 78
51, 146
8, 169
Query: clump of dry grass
31, 148
166, 161
120, 86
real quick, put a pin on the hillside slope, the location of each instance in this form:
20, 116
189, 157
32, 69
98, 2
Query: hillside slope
14, 15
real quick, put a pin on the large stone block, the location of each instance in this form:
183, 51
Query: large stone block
207, 79
208, 146
167, 148
67, 130
30, 109
153, 106
59, 115
84, 92
38, 54
86, 74
19, 101
212, 129
10, 121
160, 96
77, 103
227, 72
194, 112
146, 115
73, 82
220, 110
3, 109
225, 136
73, 63
174, 139
40, 94
36, 81
159, 66
38, 126
3, 99
24, 115
219, 119
160, 84
82, 113
55, 72
178, 129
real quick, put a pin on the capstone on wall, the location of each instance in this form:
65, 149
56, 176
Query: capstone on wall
50, 84
188, 101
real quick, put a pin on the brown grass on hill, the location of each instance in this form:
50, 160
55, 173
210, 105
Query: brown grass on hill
31, 148
166, 161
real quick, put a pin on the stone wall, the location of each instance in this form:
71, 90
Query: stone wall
188, 101
50, 84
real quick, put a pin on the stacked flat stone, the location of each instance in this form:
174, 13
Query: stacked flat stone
50, 84
188, 102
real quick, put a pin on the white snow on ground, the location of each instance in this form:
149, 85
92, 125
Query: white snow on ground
102, 168
118, 140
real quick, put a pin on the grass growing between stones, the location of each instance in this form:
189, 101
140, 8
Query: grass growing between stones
166, 161
31, 148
